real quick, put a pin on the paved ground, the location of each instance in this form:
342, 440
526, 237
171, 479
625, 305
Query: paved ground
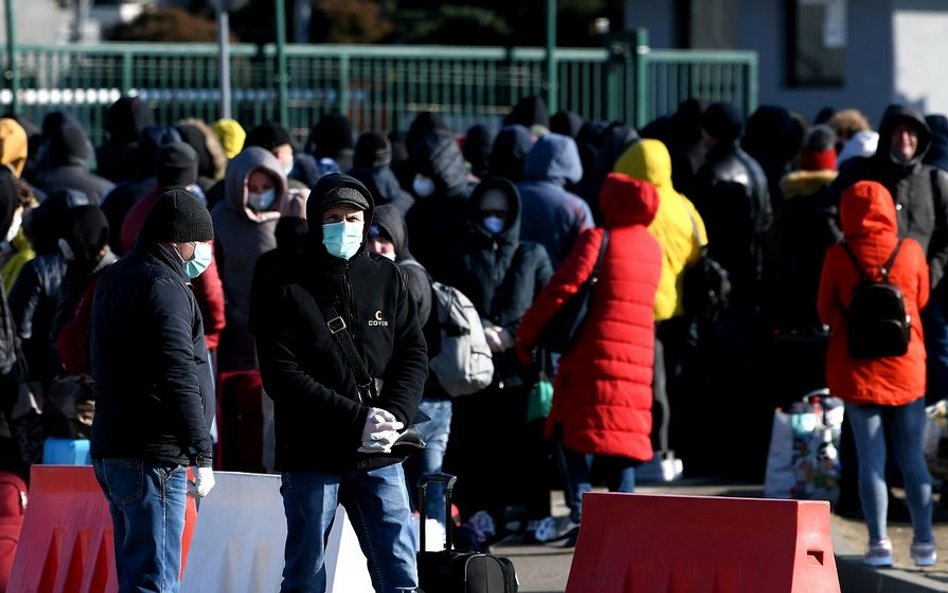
545, 569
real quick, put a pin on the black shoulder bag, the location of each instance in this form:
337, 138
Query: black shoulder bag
410, 439
562, 330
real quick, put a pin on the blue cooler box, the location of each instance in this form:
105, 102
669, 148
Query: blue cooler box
66, 452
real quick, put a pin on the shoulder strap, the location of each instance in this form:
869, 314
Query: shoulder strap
854, 259
887, 266
339, 330
602, 252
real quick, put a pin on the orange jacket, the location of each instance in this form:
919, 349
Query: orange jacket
867, 213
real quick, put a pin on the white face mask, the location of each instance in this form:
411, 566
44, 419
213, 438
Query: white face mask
390, 255
423, 186
262, 200
15, 225
287, 169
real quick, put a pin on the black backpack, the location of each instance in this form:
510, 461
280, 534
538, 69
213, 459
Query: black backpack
877, 323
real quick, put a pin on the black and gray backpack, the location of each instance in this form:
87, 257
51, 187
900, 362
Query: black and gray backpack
878, 325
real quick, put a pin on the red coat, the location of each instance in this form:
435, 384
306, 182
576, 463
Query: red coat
603, 389
867, 213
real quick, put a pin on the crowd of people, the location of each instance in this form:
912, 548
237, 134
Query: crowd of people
177, 253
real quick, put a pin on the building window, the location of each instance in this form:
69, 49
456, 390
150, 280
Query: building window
817, 42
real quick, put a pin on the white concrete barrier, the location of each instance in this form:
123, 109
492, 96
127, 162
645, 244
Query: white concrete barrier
239, 537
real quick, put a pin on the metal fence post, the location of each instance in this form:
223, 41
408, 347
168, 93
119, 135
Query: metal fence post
752, 87
552, 67
223, 68
344, 65
127, 59
13, 67
640, 56
283, 113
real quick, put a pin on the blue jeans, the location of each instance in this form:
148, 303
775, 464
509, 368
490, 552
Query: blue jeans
576, 470
376, 502
936, 345
431, 460
147, 503
908, 426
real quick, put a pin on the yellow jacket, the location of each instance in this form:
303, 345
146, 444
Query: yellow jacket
672, 227
13, 145
23, 253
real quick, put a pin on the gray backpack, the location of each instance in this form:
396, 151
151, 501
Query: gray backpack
464, 365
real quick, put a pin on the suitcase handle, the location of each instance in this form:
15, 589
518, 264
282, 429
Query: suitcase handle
448, 480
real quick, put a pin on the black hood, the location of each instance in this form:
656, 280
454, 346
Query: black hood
893, 116
567, 123
511, 233
528, 112
194, 138
937, 155
478, 143
773, 136
618, 138
438, 157
509, 152
68, 145
321, 193
424, 124
392, 223
126, 119
383, 184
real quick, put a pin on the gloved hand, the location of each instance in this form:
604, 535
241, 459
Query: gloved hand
507, 340
492, 333
203, 482
380, 431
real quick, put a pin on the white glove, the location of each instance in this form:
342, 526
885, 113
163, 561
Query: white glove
379, 421
492, 334
203, 482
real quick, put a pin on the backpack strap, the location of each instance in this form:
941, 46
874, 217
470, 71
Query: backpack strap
855, 260
884, 269
887, 266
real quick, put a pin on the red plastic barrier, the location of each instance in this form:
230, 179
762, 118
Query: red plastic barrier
66, 544
634, 543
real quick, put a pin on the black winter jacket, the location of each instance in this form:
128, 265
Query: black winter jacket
920, 191
153, 392
500, 274
318, 413
732, 197
437, 220
34, 300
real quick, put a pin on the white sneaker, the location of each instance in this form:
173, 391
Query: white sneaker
923, 553
878, 554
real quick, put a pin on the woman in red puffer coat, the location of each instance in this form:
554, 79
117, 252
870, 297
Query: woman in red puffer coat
603, 388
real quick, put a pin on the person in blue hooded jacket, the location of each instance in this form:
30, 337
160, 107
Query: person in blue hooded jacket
552, 216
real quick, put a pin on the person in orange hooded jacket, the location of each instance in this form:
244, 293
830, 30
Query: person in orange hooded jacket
603, 391
885, 392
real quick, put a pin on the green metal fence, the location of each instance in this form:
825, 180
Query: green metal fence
378, 87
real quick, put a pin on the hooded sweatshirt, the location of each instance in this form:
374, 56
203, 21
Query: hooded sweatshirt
552, 216
870, 229
242, 235
67, 155
13, 145
125, 121
677, 226
391, 221
604, 383
919, 191
500, 273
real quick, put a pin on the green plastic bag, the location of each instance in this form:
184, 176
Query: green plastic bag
540, 400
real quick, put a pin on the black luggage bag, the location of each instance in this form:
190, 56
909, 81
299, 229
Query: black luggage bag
450, 571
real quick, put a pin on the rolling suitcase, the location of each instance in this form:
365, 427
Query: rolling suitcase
450, 571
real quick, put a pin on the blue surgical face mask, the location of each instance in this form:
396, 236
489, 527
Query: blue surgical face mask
493, 224
343, 239
260, 201
195, 266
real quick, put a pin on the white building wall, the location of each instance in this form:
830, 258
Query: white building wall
921, 57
